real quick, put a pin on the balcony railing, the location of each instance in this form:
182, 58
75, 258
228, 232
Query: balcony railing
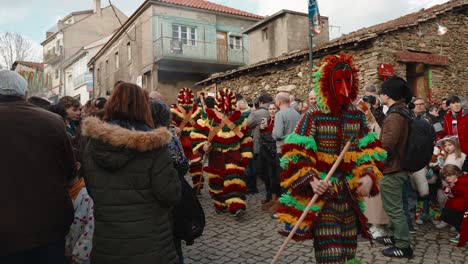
53, 56
167, 47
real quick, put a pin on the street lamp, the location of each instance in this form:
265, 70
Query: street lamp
441, 30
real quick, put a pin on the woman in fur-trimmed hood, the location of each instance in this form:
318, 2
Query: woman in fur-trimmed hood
130, 177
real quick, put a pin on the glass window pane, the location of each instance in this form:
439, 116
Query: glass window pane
175, 34
183, 29
175, 28
184, 41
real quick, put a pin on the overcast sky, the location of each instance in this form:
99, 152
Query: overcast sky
31, 18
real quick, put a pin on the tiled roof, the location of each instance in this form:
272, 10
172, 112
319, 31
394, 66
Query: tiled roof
206, 5
30, 64
360, 35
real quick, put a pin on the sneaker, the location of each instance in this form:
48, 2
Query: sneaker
412, 230
441, 225
419, 222
376, 232
238, 213
274, 216
396, 252
453, 229
386, 240
455, 239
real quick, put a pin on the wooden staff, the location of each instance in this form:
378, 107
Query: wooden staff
312, 201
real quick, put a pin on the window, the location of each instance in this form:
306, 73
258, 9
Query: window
129, 51
265, 33
57, 74
106, 67
98, 73
116, 59
235, 42
187, 35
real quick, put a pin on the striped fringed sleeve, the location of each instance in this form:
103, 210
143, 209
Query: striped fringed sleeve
246, 144
298, 162
199, 134
369, 159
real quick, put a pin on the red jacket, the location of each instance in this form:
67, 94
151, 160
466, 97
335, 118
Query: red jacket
462, 127
458, 200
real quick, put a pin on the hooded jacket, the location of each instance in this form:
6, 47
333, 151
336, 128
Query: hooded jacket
130, 177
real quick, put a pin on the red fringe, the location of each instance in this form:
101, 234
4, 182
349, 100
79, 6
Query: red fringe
310, 217
234, 206
234, 188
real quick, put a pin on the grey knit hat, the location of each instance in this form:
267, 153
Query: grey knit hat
12, 84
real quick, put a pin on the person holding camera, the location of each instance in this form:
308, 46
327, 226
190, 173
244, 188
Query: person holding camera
377, 109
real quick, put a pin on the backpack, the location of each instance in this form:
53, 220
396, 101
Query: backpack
421, 141
188, 215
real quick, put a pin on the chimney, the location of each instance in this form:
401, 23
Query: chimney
97, 7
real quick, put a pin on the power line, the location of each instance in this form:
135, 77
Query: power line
120, 22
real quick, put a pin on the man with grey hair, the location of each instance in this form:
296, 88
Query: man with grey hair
37, 164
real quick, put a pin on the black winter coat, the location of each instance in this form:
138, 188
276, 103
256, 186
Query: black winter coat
134, 185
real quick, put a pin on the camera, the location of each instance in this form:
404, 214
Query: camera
370, 99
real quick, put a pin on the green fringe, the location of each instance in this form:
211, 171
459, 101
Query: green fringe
362, 206
380, 156
353, 261
285, 160
369, 138
308, 142
287, 199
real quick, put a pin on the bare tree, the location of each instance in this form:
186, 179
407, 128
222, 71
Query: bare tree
14, 47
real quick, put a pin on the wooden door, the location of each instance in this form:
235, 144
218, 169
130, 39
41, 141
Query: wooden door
221, 43
416, 75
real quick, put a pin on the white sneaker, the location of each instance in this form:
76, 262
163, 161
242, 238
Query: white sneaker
419, 222
441, 225
377, 231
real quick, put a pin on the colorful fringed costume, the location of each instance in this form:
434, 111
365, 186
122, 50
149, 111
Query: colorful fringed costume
335, 220
184, 116
225, 130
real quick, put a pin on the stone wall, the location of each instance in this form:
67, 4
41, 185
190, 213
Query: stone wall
294, 75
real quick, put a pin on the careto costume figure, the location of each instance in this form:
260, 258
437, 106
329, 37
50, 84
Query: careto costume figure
184, 116
336, 219
223, 137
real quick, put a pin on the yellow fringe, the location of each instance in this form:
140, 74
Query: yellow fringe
197, 147
302, 172
197, 135
219, 203
234, 166
234, 200
287, 218
212, 175
248, 155
360, 171
234, 181
237, 147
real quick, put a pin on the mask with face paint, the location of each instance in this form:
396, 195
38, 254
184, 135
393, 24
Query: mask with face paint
335, 83
341, 82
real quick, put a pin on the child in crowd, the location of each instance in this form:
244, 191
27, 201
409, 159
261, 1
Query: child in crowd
78, 242
457, 202
73, 109
453, 153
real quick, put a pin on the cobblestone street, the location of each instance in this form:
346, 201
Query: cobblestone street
254, 239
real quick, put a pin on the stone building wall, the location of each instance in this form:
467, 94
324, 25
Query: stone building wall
294, 75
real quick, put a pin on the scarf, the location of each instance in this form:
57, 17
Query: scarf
76, 188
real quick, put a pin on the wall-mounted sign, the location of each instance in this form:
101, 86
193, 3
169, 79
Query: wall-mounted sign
89, 82
425, 58
386, 70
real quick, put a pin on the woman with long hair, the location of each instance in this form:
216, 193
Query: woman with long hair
130, 176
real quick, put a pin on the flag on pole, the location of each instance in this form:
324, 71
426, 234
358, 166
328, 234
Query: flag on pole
314, 17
